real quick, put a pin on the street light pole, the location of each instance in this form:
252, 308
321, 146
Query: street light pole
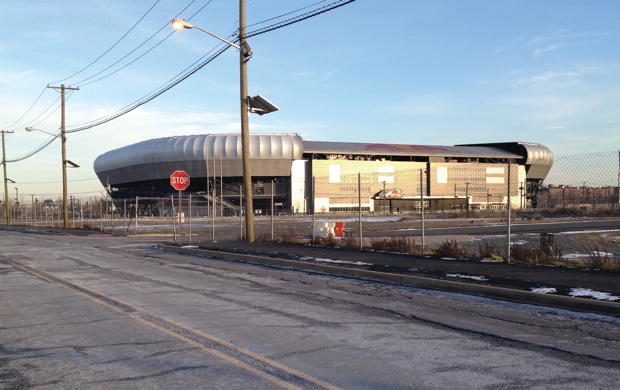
245, 128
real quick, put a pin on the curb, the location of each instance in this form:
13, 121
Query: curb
519, 296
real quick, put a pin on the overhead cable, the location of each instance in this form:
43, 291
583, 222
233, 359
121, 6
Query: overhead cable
87, 80
27, 111
299, 18
111, 47
144, 53
286, 14
33, 152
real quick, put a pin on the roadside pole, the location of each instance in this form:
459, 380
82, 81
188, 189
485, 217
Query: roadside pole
359, 208
173, 214
313, 210
422, 209
272, 189
508, 215
240, 211
213, 217
136, 222
190, 217
180, 219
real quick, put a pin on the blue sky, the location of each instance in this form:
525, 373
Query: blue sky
434, 72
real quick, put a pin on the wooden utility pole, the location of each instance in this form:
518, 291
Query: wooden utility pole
63, 139
6, 186
245, 126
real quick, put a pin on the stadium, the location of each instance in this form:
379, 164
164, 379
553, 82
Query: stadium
302, 176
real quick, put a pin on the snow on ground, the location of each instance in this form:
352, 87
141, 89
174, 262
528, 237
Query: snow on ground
586, 292
588, 231
543, 290
572, 256
492, 261
323, 260
472, 277
519, 242
448, 258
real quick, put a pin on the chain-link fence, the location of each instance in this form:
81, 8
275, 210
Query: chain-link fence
359, 201
582, 181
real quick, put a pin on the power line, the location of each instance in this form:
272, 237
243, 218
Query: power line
152, 96
55, 182
37, 150
299, 18
286, 14
111, 47
83, 81
28, 110
155, 94
189, 71
144, 53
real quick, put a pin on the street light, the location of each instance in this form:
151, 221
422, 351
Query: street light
245, 52
65, 162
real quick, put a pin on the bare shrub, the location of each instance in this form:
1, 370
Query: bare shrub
532, 255
328, 242
396, 244
599, 258
488, 250
451, 248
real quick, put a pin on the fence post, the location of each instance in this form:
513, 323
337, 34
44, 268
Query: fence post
422, 210
313, 209
272, 189
359, 208
190, 217
136, 222
509, 206
172, 215
241, 211
213, 217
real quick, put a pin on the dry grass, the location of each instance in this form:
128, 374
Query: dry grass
599, 259
532, 255
396, 244
488, 250
451, 248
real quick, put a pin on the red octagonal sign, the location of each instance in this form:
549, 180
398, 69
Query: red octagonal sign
179, 180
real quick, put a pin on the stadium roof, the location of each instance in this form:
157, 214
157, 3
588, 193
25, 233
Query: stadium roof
356, 148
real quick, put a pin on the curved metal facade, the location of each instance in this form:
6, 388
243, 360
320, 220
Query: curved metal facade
156, 159
538, 160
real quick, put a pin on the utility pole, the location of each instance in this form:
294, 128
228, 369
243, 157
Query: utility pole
63, 139
245, 126
6, 186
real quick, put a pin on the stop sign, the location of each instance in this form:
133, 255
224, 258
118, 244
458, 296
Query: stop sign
179, 180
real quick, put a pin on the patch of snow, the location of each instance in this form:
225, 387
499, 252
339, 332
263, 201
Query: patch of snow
589, 231
448, 258
472, 277
323, 260
519, 242
543, 290
602, 254
190, 246
573, 256
492, 261
586, 292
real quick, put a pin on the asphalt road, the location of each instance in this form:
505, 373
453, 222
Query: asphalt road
105, 312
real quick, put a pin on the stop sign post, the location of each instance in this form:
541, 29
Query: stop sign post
179, 180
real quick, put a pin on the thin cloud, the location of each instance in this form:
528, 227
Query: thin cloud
548, 49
